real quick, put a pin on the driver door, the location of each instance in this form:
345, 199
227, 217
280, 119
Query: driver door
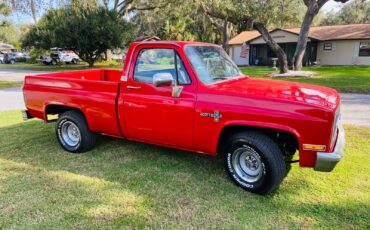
152, 114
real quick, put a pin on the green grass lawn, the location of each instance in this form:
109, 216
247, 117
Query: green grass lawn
8, 84
123, 184
349, 79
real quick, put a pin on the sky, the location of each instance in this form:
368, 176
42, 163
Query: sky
332, 5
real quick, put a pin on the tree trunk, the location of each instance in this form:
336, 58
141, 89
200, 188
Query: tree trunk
225, 36
33, 11
312, 10
91, 63
247, 22
283, 60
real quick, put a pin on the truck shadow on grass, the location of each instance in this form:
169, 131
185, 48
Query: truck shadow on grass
127, 184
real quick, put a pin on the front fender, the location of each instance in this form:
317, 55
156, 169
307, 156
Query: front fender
265, 125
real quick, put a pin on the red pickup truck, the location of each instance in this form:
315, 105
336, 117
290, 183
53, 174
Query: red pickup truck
191, 96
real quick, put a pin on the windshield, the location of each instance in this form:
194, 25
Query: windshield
211, 63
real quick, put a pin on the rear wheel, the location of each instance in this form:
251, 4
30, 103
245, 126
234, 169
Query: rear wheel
73, 132
254, 162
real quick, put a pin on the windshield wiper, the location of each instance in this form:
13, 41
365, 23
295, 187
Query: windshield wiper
219, 78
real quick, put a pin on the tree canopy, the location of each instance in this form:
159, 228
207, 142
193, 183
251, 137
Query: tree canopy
356, 11
88, 31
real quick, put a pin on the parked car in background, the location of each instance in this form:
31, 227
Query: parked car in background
1, 58
60, 56
12, 58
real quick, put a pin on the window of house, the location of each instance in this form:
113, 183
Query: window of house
364, 49
328, 46
152, 61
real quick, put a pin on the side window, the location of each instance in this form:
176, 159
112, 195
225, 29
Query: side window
328, 46
153, 61
364, 49
183, 75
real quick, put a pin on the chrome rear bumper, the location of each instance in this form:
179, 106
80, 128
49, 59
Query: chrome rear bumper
26, 115
326, 162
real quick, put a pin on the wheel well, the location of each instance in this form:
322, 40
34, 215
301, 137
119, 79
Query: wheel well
286, 141
58, 109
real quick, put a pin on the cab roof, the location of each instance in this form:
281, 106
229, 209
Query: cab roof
170, 42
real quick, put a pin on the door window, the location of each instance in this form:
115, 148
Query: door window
153, 61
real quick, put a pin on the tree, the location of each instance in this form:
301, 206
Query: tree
356, 11
125, 7
256, 14
88, 31
175, 21
4, 9
313, 8
29, 7
8, 32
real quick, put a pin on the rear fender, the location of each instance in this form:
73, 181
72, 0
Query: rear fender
67, 105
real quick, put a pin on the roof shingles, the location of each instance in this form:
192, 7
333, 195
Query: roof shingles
323, 33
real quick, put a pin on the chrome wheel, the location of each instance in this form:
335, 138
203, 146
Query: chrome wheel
247, 164
71, 133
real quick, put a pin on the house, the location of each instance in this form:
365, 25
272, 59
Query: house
6, 48
327, 45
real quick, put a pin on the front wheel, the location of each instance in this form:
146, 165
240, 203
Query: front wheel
73, 132
255, 162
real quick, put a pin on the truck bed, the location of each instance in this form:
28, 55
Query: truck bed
94, 92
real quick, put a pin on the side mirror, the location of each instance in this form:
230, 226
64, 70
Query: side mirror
162, 79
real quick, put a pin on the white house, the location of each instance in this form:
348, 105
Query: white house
6, 48
327, 45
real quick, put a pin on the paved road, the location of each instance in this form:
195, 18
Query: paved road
11, 98
16, 74
355, 107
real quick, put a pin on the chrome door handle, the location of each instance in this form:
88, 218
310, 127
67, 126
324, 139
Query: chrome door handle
133, 87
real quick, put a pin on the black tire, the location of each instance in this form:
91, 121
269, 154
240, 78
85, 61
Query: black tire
261, 156
83, 141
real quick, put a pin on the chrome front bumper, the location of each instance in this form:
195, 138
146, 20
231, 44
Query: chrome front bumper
325, 162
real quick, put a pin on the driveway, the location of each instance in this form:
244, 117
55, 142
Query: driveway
16, 74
